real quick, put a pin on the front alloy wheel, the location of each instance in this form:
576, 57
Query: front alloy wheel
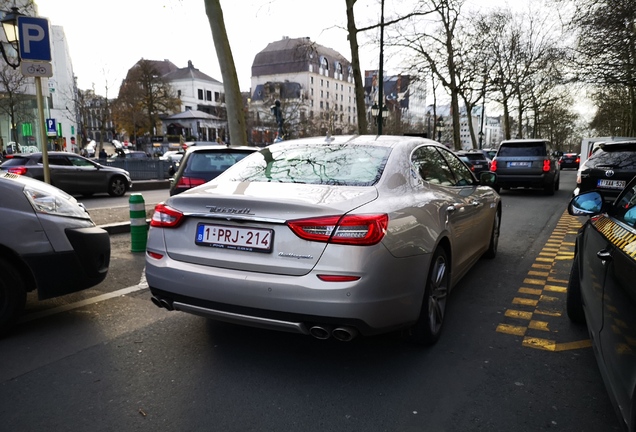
117, 187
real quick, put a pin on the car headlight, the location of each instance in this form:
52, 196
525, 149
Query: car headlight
50, 201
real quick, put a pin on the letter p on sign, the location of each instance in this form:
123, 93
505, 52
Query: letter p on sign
35, 42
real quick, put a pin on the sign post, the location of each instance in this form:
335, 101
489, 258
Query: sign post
35, 48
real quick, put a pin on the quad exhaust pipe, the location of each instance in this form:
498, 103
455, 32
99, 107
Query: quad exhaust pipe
322, 332
343, 334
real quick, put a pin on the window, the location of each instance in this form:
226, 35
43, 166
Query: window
322, 82
327, 84
208, 95
179, 93
432, 167
200, 94
312, 91
311, 80
217, 96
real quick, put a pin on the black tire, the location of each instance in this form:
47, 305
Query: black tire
494, 238
549, 189
117, 187
573, 300
427, 329
12, 296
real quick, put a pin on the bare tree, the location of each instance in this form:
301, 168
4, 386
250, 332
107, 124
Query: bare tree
233, 99
14, 103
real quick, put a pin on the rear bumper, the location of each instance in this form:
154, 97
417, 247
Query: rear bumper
374, 304
527, 181
85, 266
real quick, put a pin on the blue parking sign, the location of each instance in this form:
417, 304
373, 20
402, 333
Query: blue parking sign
35, 41
51, 127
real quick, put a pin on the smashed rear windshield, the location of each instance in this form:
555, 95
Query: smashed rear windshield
333, 164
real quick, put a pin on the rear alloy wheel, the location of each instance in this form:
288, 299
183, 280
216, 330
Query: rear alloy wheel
427, 329
12, 295
573, 299
117, 187
494, 238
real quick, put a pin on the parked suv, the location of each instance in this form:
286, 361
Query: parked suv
526, 163
608, 169
479, 162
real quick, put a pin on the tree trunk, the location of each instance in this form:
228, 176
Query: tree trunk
355, 65
233, 99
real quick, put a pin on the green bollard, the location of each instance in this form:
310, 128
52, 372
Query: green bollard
138, 225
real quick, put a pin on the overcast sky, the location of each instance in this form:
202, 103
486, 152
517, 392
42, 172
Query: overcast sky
106, 38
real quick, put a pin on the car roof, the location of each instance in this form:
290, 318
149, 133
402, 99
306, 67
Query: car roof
618, 146
525, 140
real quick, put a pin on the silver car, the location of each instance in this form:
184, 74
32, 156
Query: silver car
48, 244
330, 237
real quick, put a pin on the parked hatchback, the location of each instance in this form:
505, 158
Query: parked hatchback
201, 164
602, 293
526, 163
48, 244
72, 173
327, 237
608, 169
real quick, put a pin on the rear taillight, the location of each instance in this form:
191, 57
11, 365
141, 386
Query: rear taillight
19, 170
190, 182
578, 160
359, 230
165, 217
546, 165
493, 166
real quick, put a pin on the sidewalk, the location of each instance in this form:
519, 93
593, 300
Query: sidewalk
122, 215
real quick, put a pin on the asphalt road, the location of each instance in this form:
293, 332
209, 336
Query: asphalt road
508, 360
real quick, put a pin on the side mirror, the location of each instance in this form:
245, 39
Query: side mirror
586, 204
487, 178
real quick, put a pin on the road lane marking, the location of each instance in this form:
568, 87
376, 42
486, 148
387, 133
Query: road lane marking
103, 297
543, 293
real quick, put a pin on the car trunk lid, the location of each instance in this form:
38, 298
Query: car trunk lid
242, 225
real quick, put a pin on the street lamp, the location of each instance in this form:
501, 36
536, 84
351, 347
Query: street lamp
481, 139
377, 116
10, 28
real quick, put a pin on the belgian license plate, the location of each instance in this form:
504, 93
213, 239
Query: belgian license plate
611, 184
232, 237
520, 164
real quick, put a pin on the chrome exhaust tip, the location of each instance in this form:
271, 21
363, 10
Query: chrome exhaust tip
166, 304
344, 334
156, 302
319, 332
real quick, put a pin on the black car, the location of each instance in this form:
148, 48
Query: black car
526, 163
74, 174
602, 293
569, 160
608, 169
201, 164
478, 160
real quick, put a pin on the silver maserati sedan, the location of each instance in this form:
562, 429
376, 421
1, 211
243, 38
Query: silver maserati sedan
329, 237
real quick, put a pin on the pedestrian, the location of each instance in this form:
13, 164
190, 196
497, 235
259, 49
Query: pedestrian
102, 154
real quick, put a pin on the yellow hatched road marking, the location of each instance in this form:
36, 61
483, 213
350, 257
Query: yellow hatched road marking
554, 288
539, 325
531, 291
525, 301
530, 281
511, 330
511, 313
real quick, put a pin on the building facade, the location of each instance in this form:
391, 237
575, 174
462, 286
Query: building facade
314, 85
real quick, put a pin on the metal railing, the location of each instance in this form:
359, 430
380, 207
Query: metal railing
151, 169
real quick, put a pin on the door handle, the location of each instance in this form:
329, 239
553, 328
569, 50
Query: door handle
604, 255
